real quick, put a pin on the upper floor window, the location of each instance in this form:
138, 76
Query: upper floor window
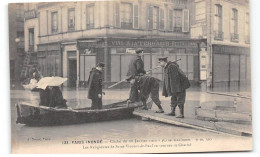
234, 25
155, 17
20, 11
218, 22
31, 39
126, 15
178, 20
90, 16
71, 19
20, 34
161, 19
54, 22
247, 28
170, 20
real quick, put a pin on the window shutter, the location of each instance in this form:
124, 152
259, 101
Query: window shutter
135, 16
170, 20
116, 15
185, 20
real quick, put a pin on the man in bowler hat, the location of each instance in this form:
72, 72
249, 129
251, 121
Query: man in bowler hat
175, 84
135, 68
95, 86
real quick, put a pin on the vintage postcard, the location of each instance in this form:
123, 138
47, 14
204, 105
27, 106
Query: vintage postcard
130, 76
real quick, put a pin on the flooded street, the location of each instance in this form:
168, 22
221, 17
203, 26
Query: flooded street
111, 132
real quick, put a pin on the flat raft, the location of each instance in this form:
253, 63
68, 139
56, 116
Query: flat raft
47, 116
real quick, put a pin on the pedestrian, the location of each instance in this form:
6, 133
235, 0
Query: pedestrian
56, 98
95, 86
135, 68
175, 84
148, 85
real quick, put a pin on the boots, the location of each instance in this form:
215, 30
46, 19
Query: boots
144, 106
181, 113
172, 113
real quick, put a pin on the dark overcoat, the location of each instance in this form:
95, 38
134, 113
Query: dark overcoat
56, 98
44, 97
136, 66
174, 81
146, 84
95, 84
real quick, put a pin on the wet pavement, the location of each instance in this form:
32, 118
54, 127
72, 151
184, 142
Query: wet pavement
24, 136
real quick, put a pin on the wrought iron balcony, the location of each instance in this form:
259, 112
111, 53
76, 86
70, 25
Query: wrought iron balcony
218, 35
234, 37
177, 29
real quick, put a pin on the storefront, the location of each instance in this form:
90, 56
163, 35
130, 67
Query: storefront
231, 66
116, 53
49, 59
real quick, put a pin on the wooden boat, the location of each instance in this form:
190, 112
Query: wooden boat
46, 116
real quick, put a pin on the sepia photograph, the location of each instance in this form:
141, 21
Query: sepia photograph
130, 76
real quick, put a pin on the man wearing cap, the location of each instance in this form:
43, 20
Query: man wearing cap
135, 68
148, 85
175, 84
95, 86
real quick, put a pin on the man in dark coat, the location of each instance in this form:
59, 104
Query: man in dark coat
135, 68
95, 86
175, 84
56, 98
148, 85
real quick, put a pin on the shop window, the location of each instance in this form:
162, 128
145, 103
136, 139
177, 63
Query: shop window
126, 15
71, 19
90, 16
54, 22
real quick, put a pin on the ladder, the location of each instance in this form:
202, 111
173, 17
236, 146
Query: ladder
26, 64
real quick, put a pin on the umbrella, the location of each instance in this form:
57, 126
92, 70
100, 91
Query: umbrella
50, 81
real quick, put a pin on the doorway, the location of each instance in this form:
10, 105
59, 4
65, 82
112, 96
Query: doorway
72, 72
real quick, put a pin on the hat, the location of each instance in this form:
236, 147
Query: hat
139, 50
163, 58
100, 64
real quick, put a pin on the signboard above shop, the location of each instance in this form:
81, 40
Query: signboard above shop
31, 14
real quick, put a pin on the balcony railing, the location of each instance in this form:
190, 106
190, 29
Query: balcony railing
234, 37
218, 35
177, 29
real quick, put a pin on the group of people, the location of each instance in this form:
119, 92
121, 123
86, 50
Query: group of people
143, 85
52, 97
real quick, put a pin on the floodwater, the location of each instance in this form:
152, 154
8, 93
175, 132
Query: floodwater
25, 138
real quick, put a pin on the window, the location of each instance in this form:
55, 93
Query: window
234, 25
155, 17
20, 11
116, 15
247, 28
71, 19
161, 19
20, 34
178, 20
126, 14
90, 16
218, 23
54, 22
170, 20
135, 16
31, 39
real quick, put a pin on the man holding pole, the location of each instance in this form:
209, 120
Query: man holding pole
175, 84
135, 68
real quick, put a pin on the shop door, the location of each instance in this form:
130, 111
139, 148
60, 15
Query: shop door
72, 72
